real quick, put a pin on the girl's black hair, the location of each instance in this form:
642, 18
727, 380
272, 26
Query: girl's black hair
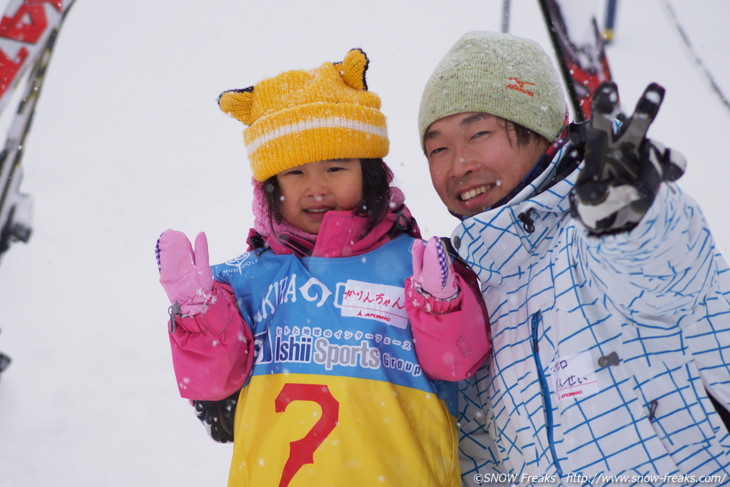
376, 178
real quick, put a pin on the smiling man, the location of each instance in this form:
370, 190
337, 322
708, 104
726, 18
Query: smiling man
476, 159
607, 296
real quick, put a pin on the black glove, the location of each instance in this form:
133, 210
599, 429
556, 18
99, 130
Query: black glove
217, 417
623, 169
4, 361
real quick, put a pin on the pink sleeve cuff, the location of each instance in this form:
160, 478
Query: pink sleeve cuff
451, 336
212, 352
424, 301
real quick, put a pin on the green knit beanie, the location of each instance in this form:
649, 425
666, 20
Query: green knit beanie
500, 74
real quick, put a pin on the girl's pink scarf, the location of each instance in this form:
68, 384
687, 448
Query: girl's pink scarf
335, 223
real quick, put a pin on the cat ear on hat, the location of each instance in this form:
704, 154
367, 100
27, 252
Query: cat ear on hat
353, 67
237, 103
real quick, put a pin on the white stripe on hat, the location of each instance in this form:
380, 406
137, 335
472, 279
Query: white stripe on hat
316, 123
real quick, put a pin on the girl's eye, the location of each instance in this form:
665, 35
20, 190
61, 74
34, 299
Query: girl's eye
335, 169
292, 172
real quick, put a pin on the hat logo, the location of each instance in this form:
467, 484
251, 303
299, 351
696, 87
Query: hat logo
518, 85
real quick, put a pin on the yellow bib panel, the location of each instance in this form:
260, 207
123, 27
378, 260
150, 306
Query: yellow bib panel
300, 430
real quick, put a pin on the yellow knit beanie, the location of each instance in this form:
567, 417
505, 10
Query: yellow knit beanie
302, 116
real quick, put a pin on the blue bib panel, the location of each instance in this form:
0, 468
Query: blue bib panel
330, 316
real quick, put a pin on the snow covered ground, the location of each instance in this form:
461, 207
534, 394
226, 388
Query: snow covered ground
128, 141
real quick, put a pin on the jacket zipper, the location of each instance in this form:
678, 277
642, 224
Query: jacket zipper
547, 405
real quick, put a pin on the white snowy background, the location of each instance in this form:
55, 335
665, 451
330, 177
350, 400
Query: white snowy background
128, 141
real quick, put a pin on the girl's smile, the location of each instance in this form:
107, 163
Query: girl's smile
309, 191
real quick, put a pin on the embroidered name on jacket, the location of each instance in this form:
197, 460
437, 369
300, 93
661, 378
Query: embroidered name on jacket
355, 298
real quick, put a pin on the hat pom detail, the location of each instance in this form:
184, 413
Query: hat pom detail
237, 103
353, 68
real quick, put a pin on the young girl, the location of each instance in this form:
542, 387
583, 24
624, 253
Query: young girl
340, 325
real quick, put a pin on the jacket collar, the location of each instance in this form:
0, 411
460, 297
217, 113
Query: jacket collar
519, 227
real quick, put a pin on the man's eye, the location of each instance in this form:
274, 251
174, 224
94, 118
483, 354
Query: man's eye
479, 134
435, 151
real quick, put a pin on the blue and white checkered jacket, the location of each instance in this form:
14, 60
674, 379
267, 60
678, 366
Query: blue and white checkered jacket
604, 348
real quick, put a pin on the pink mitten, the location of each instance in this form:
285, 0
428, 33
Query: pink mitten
185, 274
432, 269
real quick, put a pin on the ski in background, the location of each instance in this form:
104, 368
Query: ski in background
578, 45
609, 21
683, 34
506, 12
28, 30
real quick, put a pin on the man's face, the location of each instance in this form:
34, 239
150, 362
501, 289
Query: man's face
475, 161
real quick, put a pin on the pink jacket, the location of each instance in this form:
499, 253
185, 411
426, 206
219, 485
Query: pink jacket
213, 351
